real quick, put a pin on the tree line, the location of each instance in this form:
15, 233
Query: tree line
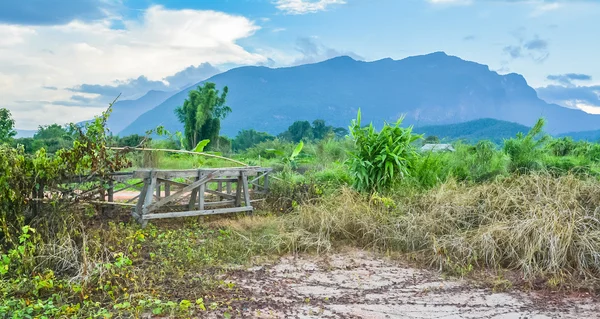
201, 114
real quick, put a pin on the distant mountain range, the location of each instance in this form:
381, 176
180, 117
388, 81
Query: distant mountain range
483, 129
592, 136
432, 89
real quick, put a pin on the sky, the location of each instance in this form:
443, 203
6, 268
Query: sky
64, 60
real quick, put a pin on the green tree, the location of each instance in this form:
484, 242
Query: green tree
248, 138
431, 139
298, 131
201, 114
320, 130
132, 140
7, 126
52, 138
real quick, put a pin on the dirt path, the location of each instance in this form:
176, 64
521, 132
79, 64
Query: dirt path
359, 285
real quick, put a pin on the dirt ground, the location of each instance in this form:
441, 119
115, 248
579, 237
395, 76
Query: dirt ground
360, 285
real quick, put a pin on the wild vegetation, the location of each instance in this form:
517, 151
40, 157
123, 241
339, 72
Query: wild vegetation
529, 206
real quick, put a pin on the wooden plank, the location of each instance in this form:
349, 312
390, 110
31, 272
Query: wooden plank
186, 189
170, 174
220, 189
246, 189
141, 198
148, 198
220, 194
258, 177
132, 199
111, 203
201, 190
167, 189
192, 202
238, 191
266, 183
223, 180
128, 186
199, 213
111, 191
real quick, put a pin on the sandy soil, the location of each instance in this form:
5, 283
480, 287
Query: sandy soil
360, 285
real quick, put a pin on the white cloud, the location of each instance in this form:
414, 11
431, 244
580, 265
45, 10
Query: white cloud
545, 7
158, 45
451, 2
305, 6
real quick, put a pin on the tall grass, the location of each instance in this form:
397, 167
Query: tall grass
538, 224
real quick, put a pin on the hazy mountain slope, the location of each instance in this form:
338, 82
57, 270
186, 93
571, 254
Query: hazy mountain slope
127, 111
473, 131
430, 89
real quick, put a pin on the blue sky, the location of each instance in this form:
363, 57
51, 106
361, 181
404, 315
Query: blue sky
63, 60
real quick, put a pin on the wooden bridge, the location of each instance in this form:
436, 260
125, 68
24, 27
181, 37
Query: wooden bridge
171, 193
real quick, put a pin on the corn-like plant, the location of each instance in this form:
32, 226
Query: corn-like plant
380, 158
527, 151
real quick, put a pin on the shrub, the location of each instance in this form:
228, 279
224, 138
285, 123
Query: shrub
380, 158
527, 152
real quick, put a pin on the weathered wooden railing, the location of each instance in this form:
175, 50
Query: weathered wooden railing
170, 193
191, 199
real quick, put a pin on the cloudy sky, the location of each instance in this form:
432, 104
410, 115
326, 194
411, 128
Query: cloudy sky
64, 60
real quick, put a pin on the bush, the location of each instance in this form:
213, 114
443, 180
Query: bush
527, 152
381, 158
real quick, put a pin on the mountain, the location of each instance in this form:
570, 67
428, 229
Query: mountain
590, 136
127, 111
25, 133
430, 89
473, 131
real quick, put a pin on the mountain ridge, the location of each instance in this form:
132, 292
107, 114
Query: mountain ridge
432, 89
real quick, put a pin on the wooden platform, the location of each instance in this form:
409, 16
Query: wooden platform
174, 193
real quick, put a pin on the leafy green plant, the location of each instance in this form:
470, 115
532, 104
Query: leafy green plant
527, 152
381, 157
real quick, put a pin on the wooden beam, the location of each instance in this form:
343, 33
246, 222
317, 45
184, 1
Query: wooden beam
147, 206
137, 213
186, 189
111, 191
220, 194
198, 213
228, 171
201, 190
238, 191
246, 189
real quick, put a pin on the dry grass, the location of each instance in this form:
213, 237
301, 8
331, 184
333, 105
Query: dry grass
540, 225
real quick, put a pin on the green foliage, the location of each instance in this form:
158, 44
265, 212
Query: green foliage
382, 157
304, 131
201, 114
201, 145
431, 139
7, 126
248, 138
527, 152
133, 140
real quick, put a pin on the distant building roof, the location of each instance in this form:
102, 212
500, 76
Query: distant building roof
437, 148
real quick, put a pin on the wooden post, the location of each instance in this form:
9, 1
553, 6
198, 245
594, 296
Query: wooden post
201, 192
167, 189
238, 191
111, 191
220, 189
142, 198
193, 197
148, 198
228, 187
246, 190
158, 190
266, 183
